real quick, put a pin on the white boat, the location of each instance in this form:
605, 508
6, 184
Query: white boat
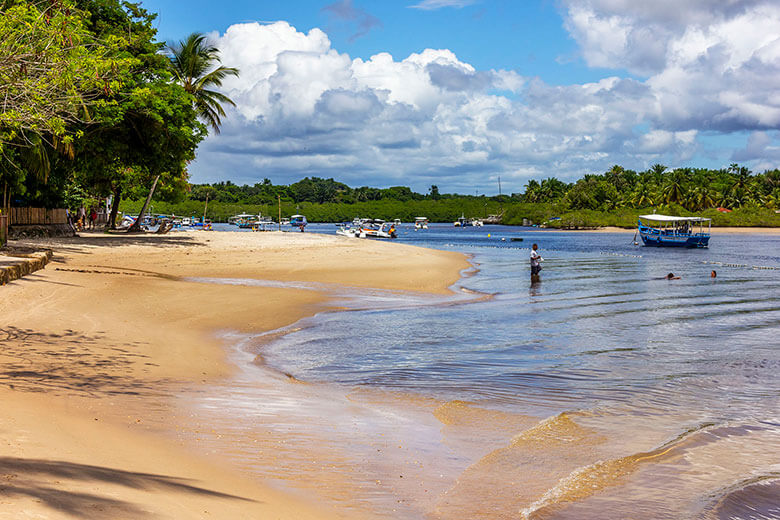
466, 222
397, 222
263, 224
236, 219
185, 221
376, 229
347, 231
420, 223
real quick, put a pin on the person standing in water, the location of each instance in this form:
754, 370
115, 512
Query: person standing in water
536, 265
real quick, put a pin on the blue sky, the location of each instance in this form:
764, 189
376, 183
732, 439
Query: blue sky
521, 90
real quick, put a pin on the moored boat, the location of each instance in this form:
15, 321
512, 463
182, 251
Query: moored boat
421, 223
236, 219
671, 231
298, 221
376, 229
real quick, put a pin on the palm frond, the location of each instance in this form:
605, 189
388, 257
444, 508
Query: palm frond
193, 61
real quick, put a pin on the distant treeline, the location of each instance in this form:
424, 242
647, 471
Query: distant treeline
615, 197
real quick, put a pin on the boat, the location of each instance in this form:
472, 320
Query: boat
263, 224
346, 230
671, 231
397, 222
494, 219
236, 219
298, 221
477, 222
420, 223
376, 229
466, 222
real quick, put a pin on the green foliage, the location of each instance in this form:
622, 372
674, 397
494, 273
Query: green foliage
615, 198
52, 68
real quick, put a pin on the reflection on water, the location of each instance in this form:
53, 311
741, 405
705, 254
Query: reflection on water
603, 391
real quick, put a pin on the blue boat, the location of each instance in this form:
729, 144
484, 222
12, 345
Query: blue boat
669, 231
298, 221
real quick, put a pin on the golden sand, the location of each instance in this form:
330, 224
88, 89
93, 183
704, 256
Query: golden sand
93, 348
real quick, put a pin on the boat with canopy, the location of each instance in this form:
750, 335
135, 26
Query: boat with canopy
670, 231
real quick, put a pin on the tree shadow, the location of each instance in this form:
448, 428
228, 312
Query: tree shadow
21, 477
72, 362
76, 243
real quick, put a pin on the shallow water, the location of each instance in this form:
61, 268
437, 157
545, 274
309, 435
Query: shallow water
604, 391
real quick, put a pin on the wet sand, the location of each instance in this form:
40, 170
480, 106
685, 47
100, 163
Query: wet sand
96, 347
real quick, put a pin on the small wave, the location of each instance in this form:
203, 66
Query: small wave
586, 481
757, 498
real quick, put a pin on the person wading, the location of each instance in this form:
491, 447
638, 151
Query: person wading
536, 266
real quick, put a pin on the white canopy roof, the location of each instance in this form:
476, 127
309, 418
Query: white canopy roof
668, 218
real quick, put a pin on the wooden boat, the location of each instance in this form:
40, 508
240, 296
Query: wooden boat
670, 231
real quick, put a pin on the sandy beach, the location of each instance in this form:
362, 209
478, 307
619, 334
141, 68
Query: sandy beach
95, 346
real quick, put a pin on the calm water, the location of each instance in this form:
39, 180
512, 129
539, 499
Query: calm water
602, 392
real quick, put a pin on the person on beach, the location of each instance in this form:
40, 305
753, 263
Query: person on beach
82, 220
536, 266
92, 218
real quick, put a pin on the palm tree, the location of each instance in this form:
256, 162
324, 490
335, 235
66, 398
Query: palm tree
772, 200
532, 191
701, 198
642, 196
674, 187
193, 61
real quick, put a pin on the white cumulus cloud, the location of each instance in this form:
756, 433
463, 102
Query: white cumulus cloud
304, 108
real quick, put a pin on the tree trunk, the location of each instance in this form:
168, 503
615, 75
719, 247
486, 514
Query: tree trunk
137, 224
115, 207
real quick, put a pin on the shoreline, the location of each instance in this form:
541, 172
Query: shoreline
99, 344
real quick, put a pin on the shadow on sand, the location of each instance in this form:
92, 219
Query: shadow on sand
30, 478
76, 243
70, 361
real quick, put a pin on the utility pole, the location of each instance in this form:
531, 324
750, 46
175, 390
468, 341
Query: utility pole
279, 199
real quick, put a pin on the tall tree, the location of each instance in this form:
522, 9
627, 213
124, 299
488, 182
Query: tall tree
52, 70
195, 67
674, 189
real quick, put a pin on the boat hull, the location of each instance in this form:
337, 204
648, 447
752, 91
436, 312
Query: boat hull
687, 241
